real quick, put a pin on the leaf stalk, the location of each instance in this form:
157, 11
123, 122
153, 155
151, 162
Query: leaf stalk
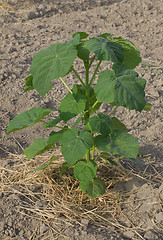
79, 77
66, 85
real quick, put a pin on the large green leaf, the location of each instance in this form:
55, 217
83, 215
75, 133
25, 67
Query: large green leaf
82, 35
75, 144
40, 145
105, 49
118, 125
51, 63
72, 105
94, 188
101, 123
52, 123
119, 142
27, 119
83, 52
131, 54
75, 40
85, 171
125, 90
56, 136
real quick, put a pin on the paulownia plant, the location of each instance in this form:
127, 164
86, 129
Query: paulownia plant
102, 133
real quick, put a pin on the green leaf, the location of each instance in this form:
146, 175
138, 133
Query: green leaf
79, 89
107, 36
51, 63
28, 83
119, 142
52, 123
27, 119
105, 49
119, 68
118, 125
82, 35
64, 167
56, 136
106, 156
83, 52
43, 166
75, 144
79, 119
147, 107
85, 171
92, 100
101, 123
93, 189
72, 105
38, 146
125, 90
75, 40
131, 54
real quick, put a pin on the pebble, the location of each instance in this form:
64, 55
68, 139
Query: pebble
129, 234
149, 235
159, 217
43, 228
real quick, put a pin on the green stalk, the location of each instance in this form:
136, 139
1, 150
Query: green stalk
98, 65
66, 85
86, 116
79, 77
92, 61
93, 153
93, 106
63, 128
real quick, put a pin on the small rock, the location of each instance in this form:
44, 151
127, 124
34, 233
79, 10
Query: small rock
76, 233
39, 204
85, 222
128, 234
159, 217
32, 15
150, 235
43, 228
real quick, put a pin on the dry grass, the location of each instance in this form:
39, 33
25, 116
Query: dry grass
62, 199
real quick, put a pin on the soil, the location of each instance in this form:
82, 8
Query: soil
28, 26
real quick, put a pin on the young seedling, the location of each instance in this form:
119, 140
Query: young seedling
120, 86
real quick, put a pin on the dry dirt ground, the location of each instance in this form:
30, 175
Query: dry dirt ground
42, 206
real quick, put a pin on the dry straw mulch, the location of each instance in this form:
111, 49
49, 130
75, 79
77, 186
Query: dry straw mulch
61, 197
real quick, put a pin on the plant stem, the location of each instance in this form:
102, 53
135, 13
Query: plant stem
113, 111
79, 77
86, 115
93, 153
54, 125
98, 65
92, 61
116, 159
93, 106
88, 155
66, 85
